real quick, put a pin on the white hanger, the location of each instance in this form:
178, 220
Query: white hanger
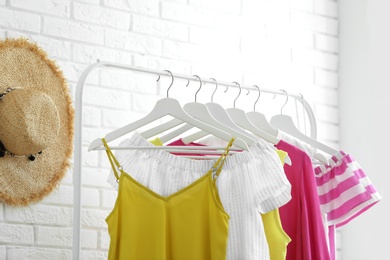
239, 117
221, 117
168, 125
164, 107
198, 111
286, 124
201, 112
161, 128
174, 134
259, 120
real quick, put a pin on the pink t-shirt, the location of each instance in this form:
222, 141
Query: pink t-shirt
344, 189
180, 142
301, 216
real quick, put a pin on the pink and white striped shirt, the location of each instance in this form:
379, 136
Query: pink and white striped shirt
344, 190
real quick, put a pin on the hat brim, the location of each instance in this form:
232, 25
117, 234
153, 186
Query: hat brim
25, 64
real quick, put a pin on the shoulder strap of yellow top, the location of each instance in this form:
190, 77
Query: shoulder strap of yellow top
217, 167
112, 159
219, 163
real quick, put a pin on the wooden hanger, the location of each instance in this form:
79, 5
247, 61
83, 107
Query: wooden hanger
164, 107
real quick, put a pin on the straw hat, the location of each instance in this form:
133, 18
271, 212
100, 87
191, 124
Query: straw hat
36, 123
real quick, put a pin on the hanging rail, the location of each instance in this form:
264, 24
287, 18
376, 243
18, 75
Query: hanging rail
76, 247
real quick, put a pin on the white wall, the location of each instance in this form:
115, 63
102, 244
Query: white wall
364, 119
280, 44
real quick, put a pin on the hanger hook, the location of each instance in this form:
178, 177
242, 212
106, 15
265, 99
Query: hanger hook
216, 86
258, 97
172, 80
281, 110
239, 93
200, 85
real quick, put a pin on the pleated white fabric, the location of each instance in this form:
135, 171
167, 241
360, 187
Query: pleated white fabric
251, 182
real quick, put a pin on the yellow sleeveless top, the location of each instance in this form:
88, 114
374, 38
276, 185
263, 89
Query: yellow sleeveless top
188, 224
277, 238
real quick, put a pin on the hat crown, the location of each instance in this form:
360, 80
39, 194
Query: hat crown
36, 116
29, 121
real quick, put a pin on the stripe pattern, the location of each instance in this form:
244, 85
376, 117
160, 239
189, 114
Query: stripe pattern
344, 189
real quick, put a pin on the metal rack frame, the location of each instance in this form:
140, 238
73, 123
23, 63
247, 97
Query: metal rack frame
76, 247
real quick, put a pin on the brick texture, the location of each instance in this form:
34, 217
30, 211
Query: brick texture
17, 20
58, 8
101, 16
37, 253
67, 29
39, 214
327, 8
289, 44
16, 234
62, 237
3, 252
157, 27
327, 43
146, 7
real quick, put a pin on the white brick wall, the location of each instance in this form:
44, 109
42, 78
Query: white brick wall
326, 78
327, 43
57, 8
37, 253
93, 255
156, 27
145, 7
326, 8
288, 44
23, 21
313, 22
62, 237
72, 30
3, 252
133, 42
16, 234
39, 214
101, 16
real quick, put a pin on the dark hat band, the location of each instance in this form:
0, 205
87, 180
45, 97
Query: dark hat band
8, 90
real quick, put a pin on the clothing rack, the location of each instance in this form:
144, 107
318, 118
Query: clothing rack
76, 247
